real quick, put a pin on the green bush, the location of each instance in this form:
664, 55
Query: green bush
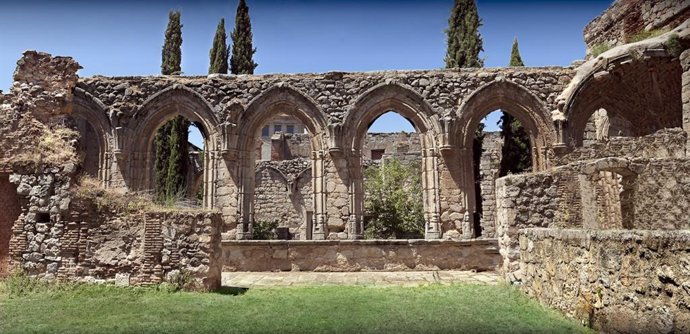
674, 45
644, 34
264, 230
393, 204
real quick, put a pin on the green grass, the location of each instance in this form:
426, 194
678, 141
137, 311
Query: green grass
340, 309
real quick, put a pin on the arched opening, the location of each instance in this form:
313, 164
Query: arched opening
178, 163
608, 198
634, 98
88, 118
9, 213
393, 193
280, 168
283, 192
164, 122
500, 105
410, 106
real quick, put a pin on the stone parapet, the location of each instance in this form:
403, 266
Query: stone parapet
359, 255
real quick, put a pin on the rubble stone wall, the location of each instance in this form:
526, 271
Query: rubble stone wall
615, 281
489, 168
360, 255
666, 143
625, 18
608, 193
62, 236
283, 193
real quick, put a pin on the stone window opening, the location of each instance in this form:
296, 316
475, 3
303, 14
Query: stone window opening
394, 125
190, 166
609, 199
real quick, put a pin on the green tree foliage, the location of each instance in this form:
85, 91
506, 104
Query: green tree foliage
264, 230
393, 205
515, 59
219, 51
516, 152
172, 47
464, 41
241, 61
172, 162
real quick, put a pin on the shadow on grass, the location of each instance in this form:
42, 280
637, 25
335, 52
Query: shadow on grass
231, 290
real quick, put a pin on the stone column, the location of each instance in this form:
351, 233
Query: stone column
356, 220
430, 194
245, 196
319, 179
685, 93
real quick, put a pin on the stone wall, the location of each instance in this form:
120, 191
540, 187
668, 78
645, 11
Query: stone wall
608, 193
489, 168
63, 235
666, 143
626, 18
360, 255
615, 281
283, 193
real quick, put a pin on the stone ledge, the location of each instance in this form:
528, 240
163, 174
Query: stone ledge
601, 235
369, 242
360, 255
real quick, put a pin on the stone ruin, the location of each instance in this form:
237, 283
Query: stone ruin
598, 229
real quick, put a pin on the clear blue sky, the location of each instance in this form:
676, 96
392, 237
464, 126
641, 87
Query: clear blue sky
125, 37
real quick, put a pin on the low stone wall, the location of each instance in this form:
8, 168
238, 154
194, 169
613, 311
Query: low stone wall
360, 255
608, 193
615, 281
663, 144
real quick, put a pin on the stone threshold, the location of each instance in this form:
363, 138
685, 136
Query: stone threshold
368, 242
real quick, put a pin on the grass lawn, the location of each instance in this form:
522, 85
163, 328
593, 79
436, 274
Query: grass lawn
339, 309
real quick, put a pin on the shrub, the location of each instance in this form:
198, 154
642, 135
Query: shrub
264, 230
393, 205
673, 45
644, 34
600, 48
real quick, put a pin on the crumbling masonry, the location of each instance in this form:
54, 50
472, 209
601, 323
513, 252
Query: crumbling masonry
599, 229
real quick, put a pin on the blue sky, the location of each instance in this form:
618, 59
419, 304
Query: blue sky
125, 37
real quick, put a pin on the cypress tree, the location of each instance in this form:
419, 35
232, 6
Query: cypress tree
219, 51
176, 174
172, 47
516, 156
162, 151
464, 45
464, 41
515, 59
241, 61
171, 139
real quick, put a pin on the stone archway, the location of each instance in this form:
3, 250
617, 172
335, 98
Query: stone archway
521, 104
285, 100
644, 92
156, 111
365, 110
95, 130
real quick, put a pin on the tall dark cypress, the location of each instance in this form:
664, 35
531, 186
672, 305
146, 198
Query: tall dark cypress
463, 47
219, 51
241, 61
516, 156
463, 39
171, 139
172, 47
